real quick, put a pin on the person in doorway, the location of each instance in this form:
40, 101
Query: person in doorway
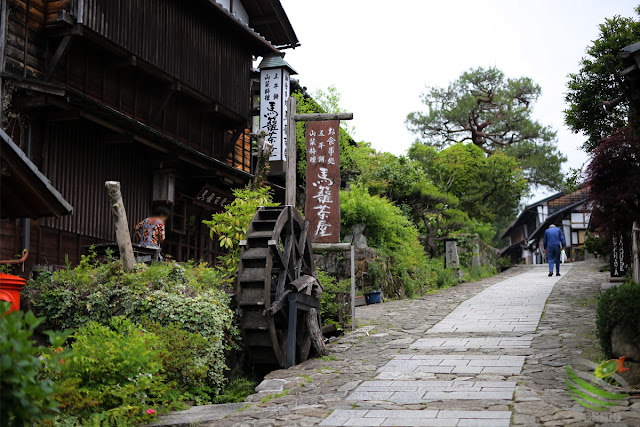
554, 244
150, 232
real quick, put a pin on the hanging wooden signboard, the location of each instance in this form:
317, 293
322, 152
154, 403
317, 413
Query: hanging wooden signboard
212, 198
322, 207
619, 259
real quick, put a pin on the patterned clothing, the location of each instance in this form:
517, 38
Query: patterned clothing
150, 232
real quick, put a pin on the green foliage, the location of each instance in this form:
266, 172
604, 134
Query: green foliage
487, 187
440, 190
186, 360
618, 306
595, 244
113, 354
329, 300
231, 225
402, 267
237, 391
323, 102
25, 396
178, 297
595, 82
112, 375
494, 113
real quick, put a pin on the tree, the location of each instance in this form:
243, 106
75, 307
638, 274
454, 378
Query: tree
494, 113
613, 176
323, 102
488, 188
434, 212
595, 82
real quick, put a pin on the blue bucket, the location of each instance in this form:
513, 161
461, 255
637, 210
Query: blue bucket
373, 297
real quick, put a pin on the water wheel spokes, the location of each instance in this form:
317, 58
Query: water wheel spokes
273, 259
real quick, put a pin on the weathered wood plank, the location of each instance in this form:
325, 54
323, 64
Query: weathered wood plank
321, 117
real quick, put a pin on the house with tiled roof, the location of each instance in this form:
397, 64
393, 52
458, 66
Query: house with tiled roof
567, 210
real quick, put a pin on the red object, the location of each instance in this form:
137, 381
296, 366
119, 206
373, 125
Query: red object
10, 287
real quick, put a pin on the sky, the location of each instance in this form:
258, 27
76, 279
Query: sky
380, 55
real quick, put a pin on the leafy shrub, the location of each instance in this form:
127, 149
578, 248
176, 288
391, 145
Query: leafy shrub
617, 306
237, 391
597, 245
186, 360
25, 396
231, 225
402, 267
329, 300
113, 374
184, 296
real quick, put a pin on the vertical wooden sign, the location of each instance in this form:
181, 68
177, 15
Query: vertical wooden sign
322, 207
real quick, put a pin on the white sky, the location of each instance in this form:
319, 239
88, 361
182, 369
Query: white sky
381, 54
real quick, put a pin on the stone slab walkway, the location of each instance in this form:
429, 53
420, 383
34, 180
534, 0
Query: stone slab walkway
489, 353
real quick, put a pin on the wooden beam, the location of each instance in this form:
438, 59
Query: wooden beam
291, 181
66, 17
59, 53
320, 117
38, 87
330, 247
277, 8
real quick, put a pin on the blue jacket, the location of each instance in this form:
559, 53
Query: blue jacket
553, 236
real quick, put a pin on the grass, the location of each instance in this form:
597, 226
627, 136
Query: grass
237, 390
328, 357
274, 396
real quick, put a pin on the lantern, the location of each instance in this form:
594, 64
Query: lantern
164, 186
275, 87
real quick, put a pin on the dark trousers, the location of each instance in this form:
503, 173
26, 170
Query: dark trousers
553, 254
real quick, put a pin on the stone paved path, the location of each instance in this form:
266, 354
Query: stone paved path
512, 306
488, 353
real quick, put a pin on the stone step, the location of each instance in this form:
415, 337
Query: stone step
426, 417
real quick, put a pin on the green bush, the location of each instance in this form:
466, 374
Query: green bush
402, 266
617, 306
113, 375
186, 360
185, 296
25, 395
329, 301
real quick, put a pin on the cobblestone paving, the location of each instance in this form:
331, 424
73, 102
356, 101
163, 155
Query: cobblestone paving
385, 373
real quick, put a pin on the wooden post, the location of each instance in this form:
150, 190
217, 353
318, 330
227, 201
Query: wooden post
635, 236
120, 224
321, 117
353, 288
292, 142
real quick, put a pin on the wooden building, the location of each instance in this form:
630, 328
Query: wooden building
565, 210
154, 94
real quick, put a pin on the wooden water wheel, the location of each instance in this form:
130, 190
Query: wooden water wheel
277, 291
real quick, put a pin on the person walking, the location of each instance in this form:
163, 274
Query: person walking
554, 244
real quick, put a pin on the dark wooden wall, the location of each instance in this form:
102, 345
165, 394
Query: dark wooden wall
18, 33
78, 162
95, 73
188, 42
